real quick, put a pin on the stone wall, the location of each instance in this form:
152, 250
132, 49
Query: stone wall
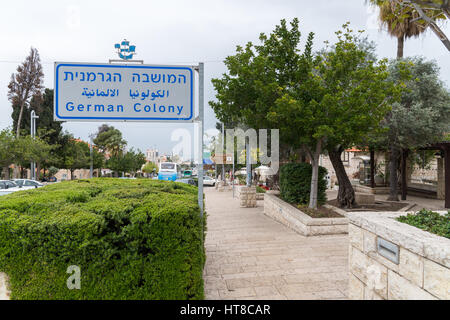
260, 196
421, 272
300, 222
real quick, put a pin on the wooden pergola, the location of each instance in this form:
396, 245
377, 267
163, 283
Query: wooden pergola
445, 148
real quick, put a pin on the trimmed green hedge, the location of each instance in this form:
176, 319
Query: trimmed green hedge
429, 221
132, 239
295, 183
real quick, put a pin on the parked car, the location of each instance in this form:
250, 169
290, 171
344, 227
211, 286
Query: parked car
208, 181
25, 184
8, 186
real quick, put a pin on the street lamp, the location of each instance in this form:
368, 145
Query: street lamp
33, 135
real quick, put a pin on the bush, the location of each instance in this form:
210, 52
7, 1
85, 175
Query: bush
242, 178
260, 189
429, 221
132, 239
295, 183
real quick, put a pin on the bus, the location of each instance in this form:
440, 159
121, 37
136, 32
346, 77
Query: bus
168, 171
187, 173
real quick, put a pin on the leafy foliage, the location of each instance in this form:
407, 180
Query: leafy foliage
150, 167
109, 140
260, 189
422, 115
317, 101
429, 221
22, 150
133, 239
295, 183
130, 161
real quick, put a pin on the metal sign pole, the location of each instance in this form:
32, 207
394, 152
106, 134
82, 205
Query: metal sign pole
232, 173
33, 134
248, 164
201, 92
91, 151
223, 147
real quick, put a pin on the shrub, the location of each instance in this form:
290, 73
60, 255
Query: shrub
429, 221
260, 189
295, 183
242, 178
132, 239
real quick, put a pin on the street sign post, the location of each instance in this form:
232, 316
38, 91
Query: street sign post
130, 92
117, 92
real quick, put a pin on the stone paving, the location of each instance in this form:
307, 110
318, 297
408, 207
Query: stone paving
251, 256
420, 202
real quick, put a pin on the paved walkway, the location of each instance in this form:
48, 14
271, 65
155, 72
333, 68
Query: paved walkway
250, 256
420, 202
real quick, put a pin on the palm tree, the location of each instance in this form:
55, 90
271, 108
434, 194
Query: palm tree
401, 22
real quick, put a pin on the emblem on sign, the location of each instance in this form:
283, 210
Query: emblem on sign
124, 50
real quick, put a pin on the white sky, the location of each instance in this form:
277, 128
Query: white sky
174, 32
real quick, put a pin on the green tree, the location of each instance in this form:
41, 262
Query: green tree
135, 160
130, 162
109, 140
47, 128
35, 150
76, 155
344, 97
421, 117
257, 75
98, 158
150, 167
23, 151
7, 151
317, 101
52, 171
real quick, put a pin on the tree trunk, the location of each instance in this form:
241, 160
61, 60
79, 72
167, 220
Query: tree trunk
315, 174
346, 193
71, 174
314, 183
38, 169
16, 172
404, 174
400, 46
19, 120
393, 180
372, 168
6, 171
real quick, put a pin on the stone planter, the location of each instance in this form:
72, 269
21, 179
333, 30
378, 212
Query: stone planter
363, 198
367, 189
247, 196
300, 222
392, 260
259, 196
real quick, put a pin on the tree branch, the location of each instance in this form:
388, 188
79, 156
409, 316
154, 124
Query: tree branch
419, 5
